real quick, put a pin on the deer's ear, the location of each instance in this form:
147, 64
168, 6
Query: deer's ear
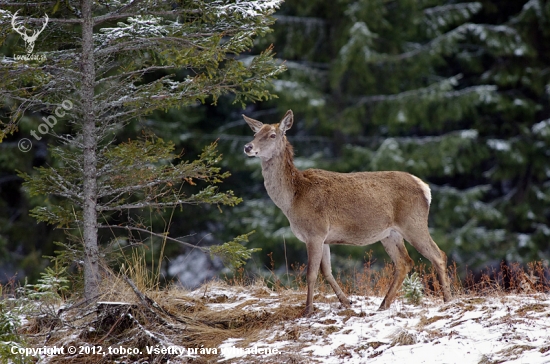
255, 125
287, 121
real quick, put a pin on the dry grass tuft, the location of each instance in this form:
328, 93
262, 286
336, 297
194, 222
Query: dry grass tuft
403, 337
535, 307
425, 321
342, 352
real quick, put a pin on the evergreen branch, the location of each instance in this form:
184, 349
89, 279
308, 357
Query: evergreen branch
58, 180
438, 41
446, 8
146, 43
104, 192
425, 91
452, 36
150, 100
115, 16
130, 5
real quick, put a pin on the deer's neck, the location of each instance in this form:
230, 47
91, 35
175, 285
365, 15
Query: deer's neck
280, 177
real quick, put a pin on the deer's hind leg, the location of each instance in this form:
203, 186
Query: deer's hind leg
327, 273
420, 238
395, 247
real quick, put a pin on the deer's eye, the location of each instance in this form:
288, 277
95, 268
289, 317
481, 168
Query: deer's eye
272, 136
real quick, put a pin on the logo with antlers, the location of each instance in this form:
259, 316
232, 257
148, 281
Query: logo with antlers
21, 30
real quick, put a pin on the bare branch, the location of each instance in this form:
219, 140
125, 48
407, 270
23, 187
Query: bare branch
162, 236
141, 205
128, 189
62, 69
20, 5
60, 182
55, 20
133, 73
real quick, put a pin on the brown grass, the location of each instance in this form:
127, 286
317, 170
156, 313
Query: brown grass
403, 337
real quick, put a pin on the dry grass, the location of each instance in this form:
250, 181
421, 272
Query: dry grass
208, 317
403, 337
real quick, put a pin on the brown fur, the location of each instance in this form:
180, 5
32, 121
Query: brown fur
346, 208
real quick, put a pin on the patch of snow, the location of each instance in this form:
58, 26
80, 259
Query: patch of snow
523, 240
317, 102
401, 117
510, 329
542, 128
469, 134
246, 8
499, 144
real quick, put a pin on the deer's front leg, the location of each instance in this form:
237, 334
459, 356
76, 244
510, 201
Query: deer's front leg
326, 270
314, 257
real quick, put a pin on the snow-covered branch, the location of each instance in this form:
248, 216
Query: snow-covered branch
440, 90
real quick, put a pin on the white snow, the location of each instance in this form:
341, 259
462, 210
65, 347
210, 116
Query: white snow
469, 134
512, 328
499, 144
246, 8
542, 128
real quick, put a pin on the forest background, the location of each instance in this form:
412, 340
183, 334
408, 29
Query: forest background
456, 93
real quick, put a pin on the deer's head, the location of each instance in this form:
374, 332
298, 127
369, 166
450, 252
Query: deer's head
269, 139
22, 31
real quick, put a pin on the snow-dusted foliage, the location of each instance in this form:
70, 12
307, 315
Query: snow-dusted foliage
439, 18
413, 289
131, 41
255, 8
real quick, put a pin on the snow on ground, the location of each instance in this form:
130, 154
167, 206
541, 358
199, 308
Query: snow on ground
470, 329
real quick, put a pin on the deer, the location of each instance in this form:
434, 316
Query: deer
358, 208
21, 30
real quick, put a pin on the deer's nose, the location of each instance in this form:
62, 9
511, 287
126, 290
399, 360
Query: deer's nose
248, 148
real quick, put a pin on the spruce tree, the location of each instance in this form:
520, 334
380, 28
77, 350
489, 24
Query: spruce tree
114, 62
515, 129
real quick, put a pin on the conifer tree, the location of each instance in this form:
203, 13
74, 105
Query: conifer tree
117, 61
515, 129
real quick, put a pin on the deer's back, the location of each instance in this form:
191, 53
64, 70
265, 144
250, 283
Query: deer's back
355, 205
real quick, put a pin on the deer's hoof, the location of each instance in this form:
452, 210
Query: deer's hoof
307, 312
346, 303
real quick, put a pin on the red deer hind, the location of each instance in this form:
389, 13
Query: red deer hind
346, 208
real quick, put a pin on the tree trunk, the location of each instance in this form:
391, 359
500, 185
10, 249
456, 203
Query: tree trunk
91, 251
